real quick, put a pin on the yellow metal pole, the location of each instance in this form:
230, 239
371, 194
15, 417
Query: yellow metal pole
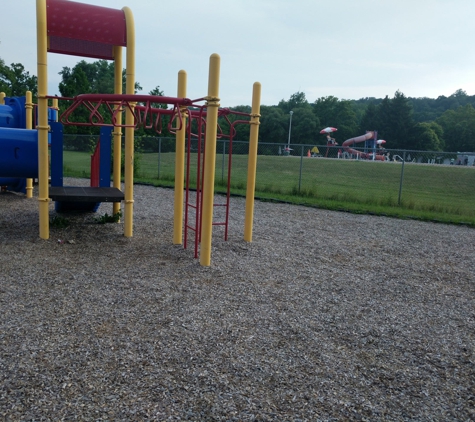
55, 106
252, 161
2, 98
210, 160
129, 131
29, 125
180, 164
43, 166
117, 130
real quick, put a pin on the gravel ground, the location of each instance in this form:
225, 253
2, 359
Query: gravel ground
324, 316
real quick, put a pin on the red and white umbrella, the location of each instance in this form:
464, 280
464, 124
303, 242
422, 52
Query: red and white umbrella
329, 130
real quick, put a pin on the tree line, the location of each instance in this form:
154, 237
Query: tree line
441, 124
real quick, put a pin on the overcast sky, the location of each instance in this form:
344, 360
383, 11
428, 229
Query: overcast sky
346, 48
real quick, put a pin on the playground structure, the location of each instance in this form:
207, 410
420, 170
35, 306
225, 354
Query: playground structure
19, 142
113, 30
370, 152
330, 143
18, 146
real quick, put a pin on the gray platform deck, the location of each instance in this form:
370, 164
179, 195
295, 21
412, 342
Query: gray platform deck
85, 194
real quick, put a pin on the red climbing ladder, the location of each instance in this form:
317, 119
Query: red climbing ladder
195, 206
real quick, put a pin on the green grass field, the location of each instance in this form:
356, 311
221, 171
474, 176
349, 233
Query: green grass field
429, 192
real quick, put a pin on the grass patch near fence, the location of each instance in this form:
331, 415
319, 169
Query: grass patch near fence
429, 192
77, 164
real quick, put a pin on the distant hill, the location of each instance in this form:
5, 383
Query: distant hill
426, 109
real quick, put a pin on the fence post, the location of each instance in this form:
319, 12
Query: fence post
160, 155
402, 176
301, 165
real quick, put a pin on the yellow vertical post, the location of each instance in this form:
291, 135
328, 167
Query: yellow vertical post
129, 131
29, 125
180, 163
210, 160
2, 98
55, 106
252, 161
43, 162
116, 173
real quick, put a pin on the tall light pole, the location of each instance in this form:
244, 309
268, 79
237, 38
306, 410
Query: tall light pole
290, 128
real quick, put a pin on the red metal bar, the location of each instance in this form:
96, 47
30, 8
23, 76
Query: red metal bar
199, 178
116, 103
200, 169
198, 116
187, 188
135, 98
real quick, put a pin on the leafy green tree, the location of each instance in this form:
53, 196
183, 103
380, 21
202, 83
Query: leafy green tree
325, 108
15, 80
297, 100
274, 124
370, 119
74, 82
331, 111
428, 137
88, 78
347, 123
3, 70
304, 127
401, 121
424, 109
458, 99
429, 109
459, 128
95, 78
384, 121
4, 81
394, 121
360, 106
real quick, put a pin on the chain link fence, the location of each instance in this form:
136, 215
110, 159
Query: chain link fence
414, 179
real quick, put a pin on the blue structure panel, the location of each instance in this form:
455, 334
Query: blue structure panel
18, 153
56, 137
105, 156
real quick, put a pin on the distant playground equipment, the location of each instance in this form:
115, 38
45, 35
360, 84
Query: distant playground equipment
315, 152
56, 35
285, 151
372, 147
330, 141
397, 158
